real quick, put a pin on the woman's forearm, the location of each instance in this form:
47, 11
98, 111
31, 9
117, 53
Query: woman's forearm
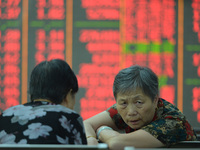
90, 134
94, 123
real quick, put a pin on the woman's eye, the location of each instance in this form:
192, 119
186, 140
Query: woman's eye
123, 103
139, 102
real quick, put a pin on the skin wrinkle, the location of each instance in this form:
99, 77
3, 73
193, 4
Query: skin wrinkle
137, 109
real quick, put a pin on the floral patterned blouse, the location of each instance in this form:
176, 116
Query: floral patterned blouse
169, 125
41, 123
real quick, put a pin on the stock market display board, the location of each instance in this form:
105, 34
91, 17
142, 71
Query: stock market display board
98, 38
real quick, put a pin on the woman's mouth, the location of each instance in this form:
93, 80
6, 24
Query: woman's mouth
134, 122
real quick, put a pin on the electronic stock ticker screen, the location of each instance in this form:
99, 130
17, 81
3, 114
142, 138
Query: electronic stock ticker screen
98, 38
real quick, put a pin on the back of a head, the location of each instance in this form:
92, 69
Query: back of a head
52, 80
134, 77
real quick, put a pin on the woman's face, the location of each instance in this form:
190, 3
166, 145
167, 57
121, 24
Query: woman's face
136, 109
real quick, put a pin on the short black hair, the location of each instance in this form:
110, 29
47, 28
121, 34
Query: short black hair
134, 77
52, 80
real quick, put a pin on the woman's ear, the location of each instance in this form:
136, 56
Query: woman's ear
156, 100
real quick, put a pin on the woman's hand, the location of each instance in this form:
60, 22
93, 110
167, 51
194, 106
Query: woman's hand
94, 123
91, 140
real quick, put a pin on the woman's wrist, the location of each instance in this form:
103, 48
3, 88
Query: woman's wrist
101, 129
90, 136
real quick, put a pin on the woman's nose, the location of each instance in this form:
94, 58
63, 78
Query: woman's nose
132, 110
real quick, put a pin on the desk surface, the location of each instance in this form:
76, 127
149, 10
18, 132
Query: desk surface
186, 145
101, 146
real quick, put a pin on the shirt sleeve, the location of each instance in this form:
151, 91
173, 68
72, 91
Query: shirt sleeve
71, 129
170, 130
